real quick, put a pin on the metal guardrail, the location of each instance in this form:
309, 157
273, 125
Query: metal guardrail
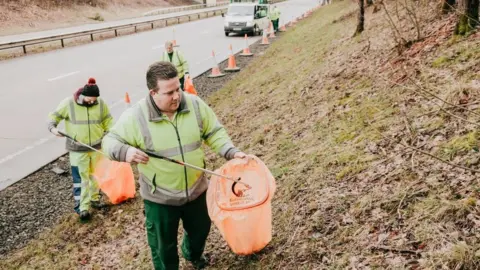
115, 28
183, 8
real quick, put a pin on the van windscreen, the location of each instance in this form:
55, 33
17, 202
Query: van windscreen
240, 11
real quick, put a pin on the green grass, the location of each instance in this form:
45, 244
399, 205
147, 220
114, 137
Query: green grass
460, 144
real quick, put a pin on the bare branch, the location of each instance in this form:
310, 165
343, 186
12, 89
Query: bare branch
439, 159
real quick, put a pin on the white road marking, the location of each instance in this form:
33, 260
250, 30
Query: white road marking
63, 76
158, 47
46, 139
28, 148
201, 61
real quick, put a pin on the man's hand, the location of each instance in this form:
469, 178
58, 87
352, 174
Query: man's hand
136, 156
240, 155
55, 132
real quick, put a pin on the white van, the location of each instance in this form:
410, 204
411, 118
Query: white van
246, 18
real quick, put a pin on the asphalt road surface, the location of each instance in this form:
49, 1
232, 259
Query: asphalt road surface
33, 85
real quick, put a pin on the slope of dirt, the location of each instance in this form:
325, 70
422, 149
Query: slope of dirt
18, 17
375, 153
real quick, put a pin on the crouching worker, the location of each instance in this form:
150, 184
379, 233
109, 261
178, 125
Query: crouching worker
171, 123
87, 119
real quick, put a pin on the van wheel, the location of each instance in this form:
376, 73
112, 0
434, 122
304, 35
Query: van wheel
256, 30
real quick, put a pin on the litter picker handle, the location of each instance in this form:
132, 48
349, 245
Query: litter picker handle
66, 135
86, 145
196, 168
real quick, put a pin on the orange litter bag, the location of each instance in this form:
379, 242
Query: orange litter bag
115, 179
245, 221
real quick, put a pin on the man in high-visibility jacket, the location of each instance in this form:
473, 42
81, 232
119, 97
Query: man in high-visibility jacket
171, 123
275, 17
87, 119
178, 60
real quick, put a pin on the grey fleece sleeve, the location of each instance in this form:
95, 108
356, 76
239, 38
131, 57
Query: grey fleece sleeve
51, 124
231, 153
115, 147
228, 151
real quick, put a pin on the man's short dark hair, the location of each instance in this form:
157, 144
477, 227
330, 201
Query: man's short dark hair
160, 71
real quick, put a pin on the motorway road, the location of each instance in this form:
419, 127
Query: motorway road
34, 85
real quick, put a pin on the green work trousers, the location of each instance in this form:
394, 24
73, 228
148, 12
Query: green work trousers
275, 24
162, 227
182, 83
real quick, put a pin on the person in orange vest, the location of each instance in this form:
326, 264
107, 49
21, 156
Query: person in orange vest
178, 60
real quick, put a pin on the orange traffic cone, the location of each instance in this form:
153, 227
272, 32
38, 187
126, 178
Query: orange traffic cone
189, 88
215, 69
282, 28
265, 38
127, 99
272, 31
232, 64
246, 50
293, 21
174, 41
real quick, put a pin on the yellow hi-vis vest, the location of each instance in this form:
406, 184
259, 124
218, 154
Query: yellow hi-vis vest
145, 128
275, 14
178, 60
86, 124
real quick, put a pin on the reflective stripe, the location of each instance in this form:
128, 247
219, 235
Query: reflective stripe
101, 109
57, 115
77, 185
77, 198
106, 117
170, 192
175, 151
217, 128
117, 137
85, 122
147, 137
72, 111
73, 119
197, 114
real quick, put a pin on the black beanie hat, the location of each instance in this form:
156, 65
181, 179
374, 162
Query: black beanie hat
91, 89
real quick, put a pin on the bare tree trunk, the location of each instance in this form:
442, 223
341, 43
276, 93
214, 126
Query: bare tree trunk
448, 5
468, 18
361, 18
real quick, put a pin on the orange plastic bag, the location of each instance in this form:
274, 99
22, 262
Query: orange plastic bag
189, 88
245, 221
115, 179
